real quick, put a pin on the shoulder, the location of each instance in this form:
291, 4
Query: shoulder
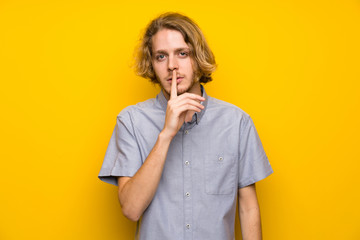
230, 114
225, 108
132, 111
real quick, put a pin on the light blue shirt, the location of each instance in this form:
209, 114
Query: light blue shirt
210, 157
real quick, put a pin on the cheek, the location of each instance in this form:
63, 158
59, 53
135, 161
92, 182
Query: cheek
158, 69
184, 66
193, 64
195, 70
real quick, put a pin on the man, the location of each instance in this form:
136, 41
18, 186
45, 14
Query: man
183, 159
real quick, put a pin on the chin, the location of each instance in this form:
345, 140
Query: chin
182, 91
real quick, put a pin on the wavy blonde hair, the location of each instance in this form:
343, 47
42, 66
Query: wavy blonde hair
203, 57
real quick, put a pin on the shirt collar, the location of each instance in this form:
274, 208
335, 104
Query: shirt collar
197, 116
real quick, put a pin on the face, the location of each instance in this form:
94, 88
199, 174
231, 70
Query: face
169, 52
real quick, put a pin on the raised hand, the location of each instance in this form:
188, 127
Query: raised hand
178, 106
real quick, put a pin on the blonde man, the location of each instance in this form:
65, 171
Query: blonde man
182, 160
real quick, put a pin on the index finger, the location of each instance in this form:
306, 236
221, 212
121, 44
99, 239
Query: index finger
173, 93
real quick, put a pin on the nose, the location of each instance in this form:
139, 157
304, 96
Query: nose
173, 64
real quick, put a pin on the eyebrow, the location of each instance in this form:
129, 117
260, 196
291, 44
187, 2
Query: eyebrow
176, 50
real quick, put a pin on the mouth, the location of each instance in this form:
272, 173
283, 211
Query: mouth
178, 80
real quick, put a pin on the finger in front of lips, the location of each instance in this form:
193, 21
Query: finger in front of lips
173, 85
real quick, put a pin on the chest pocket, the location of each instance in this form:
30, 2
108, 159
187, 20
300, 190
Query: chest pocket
220, 174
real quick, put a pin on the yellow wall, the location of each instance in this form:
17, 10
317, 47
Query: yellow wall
64, 68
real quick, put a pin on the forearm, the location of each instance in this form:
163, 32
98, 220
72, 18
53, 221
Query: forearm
250, 222
138, 191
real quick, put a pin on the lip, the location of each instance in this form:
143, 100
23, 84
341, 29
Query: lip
178, 80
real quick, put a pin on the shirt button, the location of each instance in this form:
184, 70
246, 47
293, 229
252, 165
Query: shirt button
187, 162
220, 158
187, 194
186, 132
188, 226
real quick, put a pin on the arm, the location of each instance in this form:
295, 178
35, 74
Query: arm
249, 213
135, 193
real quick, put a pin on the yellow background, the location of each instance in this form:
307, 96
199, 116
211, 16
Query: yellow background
65, 75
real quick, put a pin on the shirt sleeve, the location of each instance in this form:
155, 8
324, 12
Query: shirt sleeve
122, 157
253, 162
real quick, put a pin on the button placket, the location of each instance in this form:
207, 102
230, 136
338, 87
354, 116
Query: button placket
188, 207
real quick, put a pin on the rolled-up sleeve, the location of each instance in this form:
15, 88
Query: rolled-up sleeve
253, 162
122, 157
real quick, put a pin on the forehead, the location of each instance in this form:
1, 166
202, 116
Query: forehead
168, 40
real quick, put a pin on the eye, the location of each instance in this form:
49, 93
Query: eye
160, 57
184, 54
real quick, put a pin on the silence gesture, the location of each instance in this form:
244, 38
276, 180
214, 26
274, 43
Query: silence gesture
178, 106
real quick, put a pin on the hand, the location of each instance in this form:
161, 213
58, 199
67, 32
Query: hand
178, 106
